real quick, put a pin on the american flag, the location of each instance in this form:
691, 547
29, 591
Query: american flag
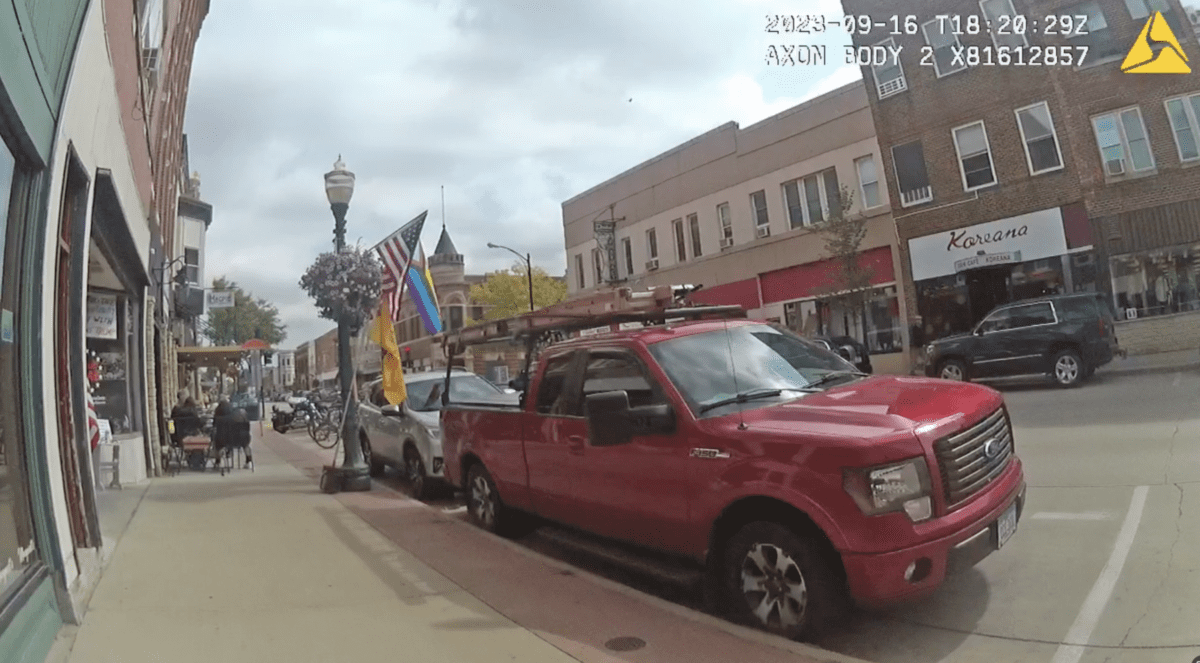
391, 290
396, 252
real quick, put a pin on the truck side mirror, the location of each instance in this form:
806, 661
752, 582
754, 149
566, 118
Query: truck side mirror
608, 420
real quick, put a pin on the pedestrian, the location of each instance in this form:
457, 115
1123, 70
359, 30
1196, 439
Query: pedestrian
231, 430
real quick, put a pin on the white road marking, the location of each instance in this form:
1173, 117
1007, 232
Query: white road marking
1085, 515
1071, 650
456, 509
1178, 377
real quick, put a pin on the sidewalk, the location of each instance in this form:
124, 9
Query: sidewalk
264, 567
1161, 362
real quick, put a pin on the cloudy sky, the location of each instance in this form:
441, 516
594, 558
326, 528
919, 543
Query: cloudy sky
514, 106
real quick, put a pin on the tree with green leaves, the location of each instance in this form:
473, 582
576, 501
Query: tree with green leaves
844, 233
249, 317
505, 294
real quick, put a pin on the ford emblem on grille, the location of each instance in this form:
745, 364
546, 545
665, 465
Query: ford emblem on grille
991, 448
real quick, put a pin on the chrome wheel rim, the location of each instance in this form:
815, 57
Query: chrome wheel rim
773, 586
416, 478
482, 502
952, 372
1066, 369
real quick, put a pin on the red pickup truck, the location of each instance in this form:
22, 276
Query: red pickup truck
794, 480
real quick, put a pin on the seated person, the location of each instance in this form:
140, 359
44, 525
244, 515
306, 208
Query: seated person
186, 416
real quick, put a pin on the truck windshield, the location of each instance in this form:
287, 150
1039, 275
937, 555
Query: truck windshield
755, 359
426, 395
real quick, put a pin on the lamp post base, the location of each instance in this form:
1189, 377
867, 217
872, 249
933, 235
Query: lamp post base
344, 479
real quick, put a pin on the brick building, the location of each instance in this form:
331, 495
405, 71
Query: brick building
738, 211
1010, 181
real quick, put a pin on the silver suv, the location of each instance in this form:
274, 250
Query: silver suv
407, 436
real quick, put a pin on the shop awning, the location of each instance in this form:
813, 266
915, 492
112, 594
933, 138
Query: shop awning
212, 356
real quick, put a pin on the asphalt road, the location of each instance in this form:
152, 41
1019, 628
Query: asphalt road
1105, 566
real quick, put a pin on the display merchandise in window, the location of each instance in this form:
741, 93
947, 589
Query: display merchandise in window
1157, 283
880, 314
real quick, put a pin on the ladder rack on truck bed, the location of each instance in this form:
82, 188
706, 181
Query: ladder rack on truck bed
601, 315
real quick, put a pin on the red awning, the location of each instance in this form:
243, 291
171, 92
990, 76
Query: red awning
810, 279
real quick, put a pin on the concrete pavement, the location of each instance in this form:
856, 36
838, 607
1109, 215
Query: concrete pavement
264, 567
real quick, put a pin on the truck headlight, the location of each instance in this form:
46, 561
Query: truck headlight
903, 486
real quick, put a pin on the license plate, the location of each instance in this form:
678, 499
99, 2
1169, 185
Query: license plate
1006, 525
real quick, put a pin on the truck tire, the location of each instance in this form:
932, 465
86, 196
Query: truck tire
483, 500
778, 581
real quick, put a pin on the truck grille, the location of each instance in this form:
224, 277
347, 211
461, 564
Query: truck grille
965, 466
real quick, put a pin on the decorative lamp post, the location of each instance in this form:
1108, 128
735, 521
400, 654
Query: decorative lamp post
528, 269
354, 474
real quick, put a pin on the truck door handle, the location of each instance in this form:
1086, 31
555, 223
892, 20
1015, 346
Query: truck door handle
575, 442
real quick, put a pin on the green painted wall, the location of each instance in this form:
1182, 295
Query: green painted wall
37, 46
30, 636
37, 43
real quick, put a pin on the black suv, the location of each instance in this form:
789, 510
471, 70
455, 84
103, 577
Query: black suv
1065, 337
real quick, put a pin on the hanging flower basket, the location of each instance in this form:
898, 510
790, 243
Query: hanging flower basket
346, 281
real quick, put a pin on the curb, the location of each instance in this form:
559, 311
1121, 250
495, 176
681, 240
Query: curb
813, 653
1149, 370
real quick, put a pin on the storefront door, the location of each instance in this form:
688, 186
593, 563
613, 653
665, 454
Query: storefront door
987, 288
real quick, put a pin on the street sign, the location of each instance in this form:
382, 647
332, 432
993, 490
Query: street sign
218, 299
987, 260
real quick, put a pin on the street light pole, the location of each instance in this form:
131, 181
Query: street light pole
528, 269
354, 474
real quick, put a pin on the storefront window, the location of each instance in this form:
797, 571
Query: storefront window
16, 530
110, 342
1157, 282
880, 315
943, 306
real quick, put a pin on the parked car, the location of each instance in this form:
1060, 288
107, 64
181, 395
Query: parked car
789, 478
406, 436
851, 350
1062, 337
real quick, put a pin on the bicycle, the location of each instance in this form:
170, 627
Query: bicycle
326, 427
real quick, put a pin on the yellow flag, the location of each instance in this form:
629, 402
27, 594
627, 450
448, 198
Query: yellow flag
384, 335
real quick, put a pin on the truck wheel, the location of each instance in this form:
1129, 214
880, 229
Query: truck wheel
1067, 368
953, 369
779, 581
414, 473
483, 500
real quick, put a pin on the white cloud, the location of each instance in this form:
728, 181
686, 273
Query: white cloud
513, 106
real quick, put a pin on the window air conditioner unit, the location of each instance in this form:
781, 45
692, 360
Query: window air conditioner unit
764, 231
726, 242
1194, 17
1115, 166
652, 264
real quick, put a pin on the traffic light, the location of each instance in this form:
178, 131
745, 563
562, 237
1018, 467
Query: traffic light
408, 356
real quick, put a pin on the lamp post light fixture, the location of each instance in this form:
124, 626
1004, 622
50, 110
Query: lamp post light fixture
528, 269
353, 475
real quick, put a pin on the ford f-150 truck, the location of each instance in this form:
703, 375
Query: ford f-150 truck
794, 480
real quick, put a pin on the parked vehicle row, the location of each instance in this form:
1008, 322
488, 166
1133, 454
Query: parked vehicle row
407, 435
